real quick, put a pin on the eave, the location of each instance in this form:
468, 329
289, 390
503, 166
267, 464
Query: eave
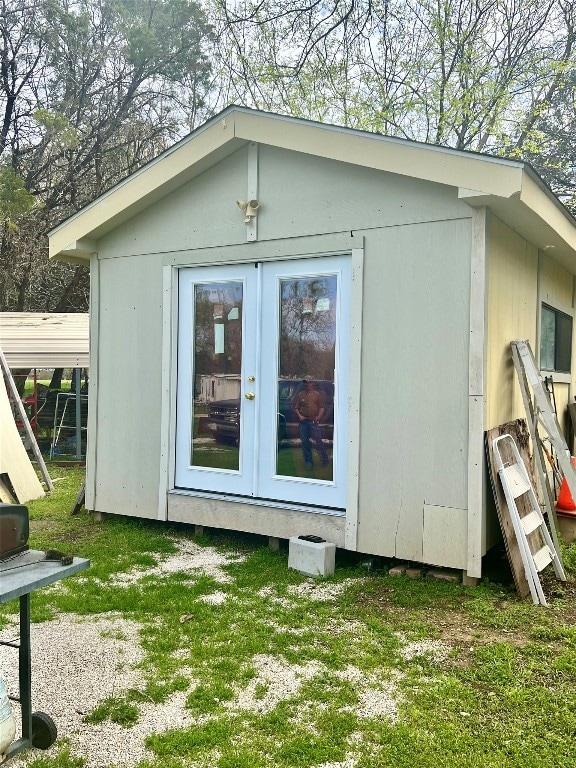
510, 189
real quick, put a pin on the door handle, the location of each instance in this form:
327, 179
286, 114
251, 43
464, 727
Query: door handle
249, 395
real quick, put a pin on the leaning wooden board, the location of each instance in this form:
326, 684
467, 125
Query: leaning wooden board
14, 461
519, 431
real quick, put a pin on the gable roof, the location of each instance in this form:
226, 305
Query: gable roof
511, 189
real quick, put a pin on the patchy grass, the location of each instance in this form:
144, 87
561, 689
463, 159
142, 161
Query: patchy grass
362, 670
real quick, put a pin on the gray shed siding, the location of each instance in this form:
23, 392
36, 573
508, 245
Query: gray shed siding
414, 394
414, 371
128, 388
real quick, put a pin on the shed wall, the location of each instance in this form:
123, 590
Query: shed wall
414, 397
556, 288
512, 314
300, 195
414, 363
520, 279
125, 445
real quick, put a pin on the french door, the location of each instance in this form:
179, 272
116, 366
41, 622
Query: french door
262, 386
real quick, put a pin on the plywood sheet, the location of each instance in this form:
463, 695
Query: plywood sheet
437, 547
518, 429
14, 461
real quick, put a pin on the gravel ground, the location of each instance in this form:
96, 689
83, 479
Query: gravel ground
79, 662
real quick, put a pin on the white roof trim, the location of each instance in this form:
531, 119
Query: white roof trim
508, 187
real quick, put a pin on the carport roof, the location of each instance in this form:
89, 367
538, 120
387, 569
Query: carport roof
44, 340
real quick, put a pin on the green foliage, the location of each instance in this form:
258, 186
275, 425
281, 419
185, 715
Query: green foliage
152, 29
58, 128
62, 759
569, 558
15, 200
90, 94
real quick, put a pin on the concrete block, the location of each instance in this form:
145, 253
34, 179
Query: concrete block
469, 581
397, 570
567, 525
311, 558
414, 573
445, 575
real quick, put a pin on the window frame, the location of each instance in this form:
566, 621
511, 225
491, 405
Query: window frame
559, 373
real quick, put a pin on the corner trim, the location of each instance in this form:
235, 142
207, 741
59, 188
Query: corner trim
476, 394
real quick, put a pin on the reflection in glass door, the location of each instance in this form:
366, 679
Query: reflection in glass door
263, 380
304, 381
217, 368
306, 367
215, 405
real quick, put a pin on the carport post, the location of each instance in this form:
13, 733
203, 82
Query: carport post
78, 416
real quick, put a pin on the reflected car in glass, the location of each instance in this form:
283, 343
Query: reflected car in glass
223, 416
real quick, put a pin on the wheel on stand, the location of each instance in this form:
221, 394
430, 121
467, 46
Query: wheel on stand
44, 731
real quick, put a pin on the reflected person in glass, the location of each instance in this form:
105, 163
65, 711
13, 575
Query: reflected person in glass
309, 407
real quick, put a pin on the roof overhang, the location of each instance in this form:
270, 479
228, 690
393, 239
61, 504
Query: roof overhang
512, 190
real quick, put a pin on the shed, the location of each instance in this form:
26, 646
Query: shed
393, 274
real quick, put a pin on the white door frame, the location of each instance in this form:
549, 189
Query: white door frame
256, 477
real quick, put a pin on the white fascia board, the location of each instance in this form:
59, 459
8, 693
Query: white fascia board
546, 205
79, 251
536, 215
421, 161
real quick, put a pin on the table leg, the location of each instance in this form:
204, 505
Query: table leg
24, 681
25, 667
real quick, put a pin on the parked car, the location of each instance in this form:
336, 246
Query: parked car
223, 416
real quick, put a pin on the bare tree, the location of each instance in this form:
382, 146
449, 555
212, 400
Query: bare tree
92, 90
483, 75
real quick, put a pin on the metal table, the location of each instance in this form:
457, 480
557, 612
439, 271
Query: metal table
19, 577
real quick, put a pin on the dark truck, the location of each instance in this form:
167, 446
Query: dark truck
223, 416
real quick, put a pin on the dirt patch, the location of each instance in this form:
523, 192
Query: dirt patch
561, 595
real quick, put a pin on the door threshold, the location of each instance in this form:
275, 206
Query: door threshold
259, 502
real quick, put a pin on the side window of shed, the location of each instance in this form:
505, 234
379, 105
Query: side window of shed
555, 340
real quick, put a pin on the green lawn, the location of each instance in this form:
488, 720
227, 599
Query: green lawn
362, 670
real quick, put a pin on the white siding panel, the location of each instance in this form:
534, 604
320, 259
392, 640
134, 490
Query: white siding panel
299, 195
556, 284
129, 389
414, 397
302, 193
444, 537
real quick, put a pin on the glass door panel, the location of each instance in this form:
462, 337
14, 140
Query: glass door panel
215, 409
306, 365
217, 370
304, 381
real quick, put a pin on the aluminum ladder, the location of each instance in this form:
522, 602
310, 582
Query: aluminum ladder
516, 484
540, 413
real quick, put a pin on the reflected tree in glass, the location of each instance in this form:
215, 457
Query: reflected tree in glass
307, 338
217, 368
